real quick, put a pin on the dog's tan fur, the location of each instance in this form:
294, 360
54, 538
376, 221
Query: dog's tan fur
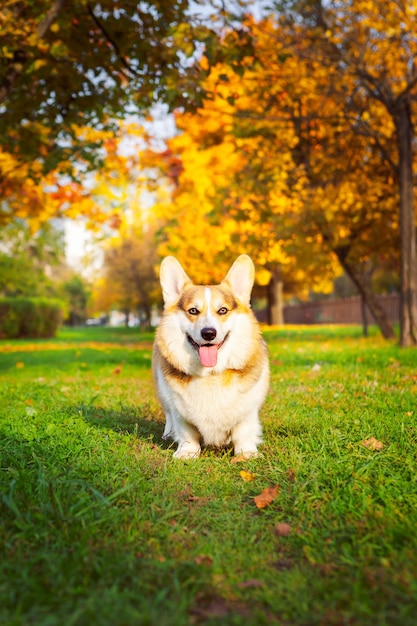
210, 391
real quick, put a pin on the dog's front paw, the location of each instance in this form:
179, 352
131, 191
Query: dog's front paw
244, 455
187, 451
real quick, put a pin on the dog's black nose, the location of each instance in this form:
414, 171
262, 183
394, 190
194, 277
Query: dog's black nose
209, 334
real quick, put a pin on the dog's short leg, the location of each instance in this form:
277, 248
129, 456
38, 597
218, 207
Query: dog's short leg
168, 431
188, 442
246, 436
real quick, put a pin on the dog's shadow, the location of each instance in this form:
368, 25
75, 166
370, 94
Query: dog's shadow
144, 421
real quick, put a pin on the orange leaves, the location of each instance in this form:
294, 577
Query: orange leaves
39, 197
205, 196
241, 175
373, 444
265, 498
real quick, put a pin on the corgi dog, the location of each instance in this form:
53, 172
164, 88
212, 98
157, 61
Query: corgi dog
210, 363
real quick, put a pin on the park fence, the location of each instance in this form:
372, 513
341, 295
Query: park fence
342, 311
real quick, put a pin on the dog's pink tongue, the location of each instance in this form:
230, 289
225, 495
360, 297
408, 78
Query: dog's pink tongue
208, 355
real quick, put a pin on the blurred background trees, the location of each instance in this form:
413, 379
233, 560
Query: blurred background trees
34, 265
294, 143
128, 281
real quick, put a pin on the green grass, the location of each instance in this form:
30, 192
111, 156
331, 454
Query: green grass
99, 525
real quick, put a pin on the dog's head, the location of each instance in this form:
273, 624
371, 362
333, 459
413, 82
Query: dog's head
208, 316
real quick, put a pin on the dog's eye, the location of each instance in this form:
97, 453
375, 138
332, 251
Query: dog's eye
193, 311
222, 311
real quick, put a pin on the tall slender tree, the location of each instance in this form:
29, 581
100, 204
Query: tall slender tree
370, 48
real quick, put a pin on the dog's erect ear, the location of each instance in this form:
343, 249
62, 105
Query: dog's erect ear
240, 277
173, 280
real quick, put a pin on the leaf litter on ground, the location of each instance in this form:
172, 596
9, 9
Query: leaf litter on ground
266, 498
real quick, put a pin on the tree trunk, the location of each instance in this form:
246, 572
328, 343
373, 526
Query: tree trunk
275, 298
408, 260
364, 313
147, 311
368, 296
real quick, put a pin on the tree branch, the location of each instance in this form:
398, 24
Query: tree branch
112, 42
50, 18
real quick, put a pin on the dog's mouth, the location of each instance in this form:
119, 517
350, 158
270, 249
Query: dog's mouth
207, 352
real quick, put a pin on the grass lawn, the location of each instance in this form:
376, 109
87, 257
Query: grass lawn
100, 526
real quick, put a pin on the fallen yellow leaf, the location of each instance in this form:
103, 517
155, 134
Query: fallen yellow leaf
247, 476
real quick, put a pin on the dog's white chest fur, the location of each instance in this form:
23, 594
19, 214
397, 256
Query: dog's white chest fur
215, 405
210, 363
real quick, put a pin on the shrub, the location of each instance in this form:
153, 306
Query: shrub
29, 317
